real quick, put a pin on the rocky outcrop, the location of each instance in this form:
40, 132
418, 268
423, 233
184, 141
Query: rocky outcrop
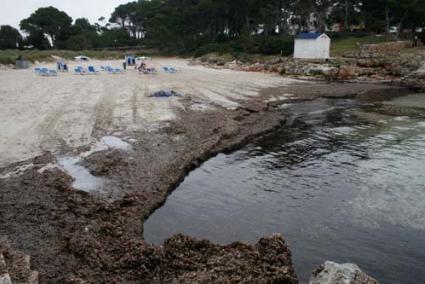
416, 78
269, 261
183, 259
373, 62
334, 273
15, 266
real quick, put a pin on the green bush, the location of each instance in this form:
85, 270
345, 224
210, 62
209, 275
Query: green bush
276, 45
347, 35
272, 45
78, 42
213, 48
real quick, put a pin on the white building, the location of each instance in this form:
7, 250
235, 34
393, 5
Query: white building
312, 46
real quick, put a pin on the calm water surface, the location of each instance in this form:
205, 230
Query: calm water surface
339, 183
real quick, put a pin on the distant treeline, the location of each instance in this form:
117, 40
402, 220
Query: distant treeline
200, 26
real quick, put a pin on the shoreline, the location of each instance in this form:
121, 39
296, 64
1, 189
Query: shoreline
97, 239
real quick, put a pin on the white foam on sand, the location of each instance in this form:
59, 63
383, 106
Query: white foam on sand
83, 179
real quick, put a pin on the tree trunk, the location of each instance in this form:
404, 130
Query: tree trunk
387, 21
347, 17
400, 24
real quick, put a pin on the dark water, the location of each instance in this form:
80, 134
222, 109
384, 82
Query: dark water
339, 183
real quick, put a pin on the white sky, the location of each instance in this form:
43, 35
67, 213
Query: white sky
13, 11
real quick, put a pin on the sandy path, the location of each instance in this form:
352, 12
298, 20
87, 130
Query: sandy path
48, 113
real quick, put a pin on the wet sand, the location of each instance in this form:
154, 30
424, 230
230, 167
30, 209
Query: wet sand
96, 236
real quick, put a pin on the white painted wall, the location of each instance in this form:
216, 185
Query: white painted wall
313, 48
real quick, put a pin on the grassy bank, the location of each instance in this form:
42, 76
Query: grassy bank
341, 46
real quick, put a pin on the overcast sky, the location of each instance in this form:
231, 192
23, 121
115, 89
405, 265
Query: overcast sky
13, 11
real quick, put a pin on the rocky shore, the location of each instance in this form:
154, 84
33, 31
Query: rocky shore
77, 237
390, 62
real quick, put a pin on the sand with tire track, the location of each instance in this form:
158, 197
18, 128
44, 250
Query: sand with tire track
67, 111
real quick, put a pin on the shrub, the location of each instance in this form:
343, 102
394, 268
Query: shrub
213, 48
78, 42
276, 45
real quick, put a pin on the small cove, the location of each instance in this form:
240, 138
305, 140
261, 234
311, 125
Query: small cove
339, 182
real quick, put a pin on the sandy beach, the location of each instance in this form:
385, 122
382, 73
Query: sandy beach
52, 113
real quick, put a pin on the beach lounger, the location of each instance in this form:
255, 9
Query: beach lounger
37, 70
109, 69
145, 70
112, 70
170, 70
80, 71
47, 72
165, 94
92, 71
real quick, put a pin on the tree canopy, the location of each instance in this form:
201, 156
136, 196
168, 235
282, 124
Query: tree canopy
48, 25
188, 25
10, 38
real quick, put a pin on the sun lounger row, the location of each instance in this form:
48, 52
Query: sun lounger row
91, 70
170, 70
42, 71
111, 70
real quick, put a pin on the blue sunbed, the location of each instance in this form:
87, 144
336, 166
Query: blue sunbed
170, 70
92, 70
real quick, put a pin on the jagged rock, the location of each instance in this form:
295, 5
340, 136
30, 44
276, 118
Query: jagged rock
374, 63
233, 65
318, 70
188, 260
418, 73
257, 67
415, 79
346, 73
334, 273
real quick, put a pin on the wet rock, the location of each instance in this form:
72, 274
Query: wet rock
334, 273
